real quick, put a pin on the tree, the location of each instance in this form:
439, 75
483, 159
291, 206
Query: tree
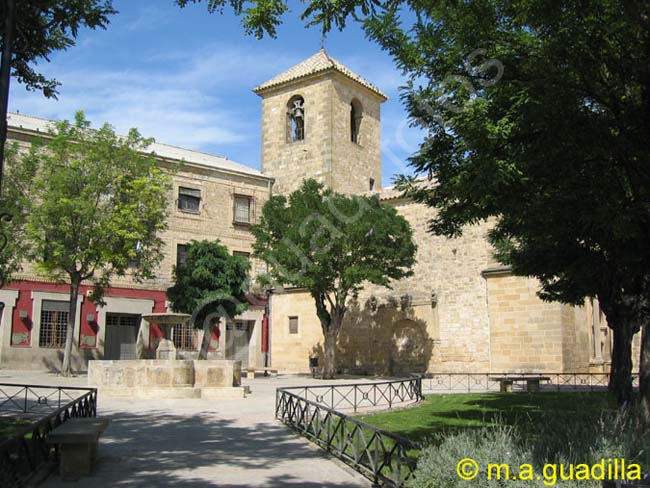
210, 285
331, 245
31, 31
14, 204
99, 207
537, 115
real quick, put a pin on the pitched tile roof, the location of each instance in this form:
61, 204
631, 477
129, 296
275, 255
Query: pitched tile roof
37, 124
318, 63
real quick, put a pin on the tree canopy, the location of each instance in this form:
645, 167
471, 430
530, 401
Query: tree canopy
537, 116
331, 245
45, 26
211, 284
14, 204
99, 205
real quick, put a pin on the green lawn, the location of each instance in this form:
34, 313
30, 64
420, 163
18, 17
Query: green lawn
440, 414
10, 426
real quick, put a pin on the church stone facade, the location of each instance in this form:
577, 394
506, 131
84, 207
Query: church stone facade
459, 312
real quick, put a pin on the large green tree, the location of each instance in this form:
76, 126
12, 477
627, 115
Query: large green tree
331, 245
99, 205
536, 114
31, 31
15, 202
211, 285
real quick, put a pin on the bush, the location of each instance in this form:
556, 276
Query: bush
552, 440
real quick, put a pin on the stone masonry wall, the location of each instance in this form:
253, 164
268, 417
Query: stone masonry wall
326, 153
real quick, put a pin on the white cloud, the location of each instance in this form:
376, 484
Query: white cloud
180, 99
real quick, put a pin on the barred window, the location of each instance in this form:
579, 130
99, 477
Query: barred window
242, 209
242, 254
189, 199
293, 325
183, 337
54, 323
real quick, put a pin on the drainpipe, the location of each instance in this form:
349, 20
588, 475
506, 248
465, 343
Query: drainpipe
269, 295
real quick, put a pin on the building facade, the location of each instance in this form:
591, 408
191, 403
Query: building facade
211, 198
459, 312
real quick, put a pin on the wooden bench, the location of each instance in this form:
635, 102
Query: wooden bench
532, 382
77, 440
250, 372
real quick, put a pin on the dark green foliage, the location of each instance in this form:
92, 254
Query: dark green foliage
15, 201
211, 284
46, 26
331, 244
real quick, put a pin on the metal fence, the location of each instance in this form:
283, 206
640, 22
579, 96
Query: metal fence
485, 382
381, 456
26, 451
356, 396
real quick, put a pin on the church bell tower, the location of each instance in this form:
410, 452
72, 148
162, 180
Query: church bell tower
320, 120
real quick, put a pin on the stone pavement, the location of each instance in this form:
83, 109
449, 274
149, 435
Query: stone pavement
202, 443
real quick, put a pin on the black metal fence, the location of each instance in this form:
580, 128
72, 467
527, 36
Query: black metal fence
357, 396
25, 451
483, 382
381, 456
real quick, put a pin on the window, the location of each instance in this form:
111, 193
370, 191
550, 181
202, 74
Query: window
54, 322
189, 200
372, 184
293, 325
183, 337
181, 254
355, 120
242, 209
296, 119
241, 254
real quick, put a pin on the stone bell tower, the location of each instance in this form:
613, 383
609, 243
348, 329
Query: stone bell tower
320, 120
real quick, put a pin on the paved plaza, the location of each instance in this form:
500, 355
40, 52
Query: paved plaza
194, 443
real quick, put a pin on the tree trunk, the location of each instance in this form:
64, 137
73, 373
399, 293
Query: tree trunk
329, 360
207, 337
620, 377
5, 73
69, 334
644, 374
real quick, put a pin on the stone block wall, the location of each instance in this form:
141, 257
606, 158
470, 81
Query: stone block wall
327, 152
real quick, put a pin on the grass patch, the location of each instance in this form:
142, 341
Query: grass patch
10, 426
445, 414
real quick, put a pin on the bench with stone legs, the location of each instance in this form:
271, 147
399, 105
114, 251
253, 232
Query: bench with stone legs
250, 372
77, 440
532, 382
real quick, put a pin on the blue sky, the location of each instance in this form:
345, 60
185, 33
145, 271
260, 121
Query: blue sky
184, 77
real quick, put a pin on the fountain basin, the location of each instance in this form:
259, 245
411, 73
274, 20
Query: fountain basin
156, 378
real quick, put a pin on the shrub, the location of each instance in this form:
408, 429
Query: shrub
552, 440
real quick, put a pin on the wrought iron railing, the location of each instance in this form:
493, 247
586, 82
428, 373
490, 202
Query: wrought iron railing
36, 399
356, 396
381, 456
484, 382
26, 451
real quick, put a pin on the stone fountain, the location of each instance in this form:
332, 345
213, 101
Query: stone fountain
166, 376
165, 321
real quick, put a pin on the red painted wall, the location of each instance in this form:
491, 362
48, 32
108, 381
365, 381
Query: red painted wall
88, 330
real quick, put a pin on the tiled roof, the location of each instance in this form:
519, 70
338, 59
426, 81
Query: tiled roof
318, 63
37, 124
